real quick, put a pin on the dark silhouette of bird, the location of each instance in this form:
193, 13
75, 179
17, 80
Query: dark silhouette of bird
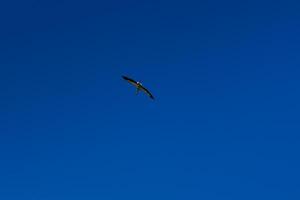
139, 86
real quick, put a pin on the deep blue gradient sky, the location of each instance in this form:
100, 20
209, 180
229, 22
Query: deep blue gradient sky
225, 123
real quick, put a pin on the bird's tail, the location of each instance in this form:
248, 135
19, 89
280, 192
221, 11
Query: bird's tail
137, 91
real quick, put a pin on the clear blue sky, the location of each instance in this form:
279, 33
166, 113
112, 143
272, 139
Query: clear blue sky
225, 123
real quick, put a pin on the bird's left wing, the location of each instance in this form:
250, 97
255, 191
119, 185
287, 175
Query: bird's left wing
147, 92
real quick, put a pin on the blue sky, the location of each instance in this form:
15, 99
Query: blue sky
224, 125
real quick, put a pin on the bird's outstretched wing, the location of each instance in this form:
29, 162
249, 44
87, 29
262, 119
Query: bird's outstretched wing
133, 82
147, 92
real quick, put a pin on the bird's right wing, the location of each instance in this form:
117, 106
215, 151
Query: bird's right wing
133, 82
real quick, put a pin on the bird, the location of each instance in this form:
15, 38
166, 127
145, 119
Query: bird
139, 86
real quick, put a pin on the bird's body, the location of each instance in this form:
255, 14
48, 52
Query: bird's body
139, 86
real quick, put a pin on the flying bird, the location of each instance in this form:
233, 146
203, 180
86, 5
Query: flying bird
139, 86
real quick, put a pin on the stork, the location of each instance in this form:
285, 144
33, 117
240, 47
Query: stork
139, 86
